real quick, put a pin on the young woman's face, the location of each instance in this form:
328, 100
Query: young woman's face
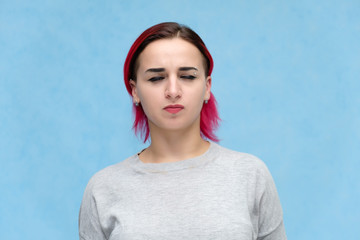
171, 84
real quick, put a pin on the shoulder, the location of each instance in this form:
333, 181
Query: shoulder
239, 160
110, 176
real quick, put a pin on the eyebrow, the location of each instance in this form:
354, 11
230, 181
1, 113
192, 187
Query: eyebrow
188, 68
156, 70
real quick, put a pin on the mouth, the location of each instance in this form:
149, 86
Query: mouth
174, 108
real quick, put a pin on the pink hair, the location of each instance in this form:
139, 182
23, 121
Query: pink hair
209, 117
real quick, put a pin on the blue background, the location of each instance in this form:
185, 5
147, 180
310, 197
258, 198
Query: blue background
286, 77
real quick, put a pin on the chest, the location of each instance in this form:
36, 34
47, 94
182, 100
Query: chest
192, 208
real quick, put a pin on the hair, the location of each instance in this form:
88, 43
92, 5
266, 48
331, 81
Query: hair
209, 117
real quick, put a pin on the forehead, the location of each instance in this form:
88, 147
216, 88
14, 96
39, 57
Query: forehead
170, 52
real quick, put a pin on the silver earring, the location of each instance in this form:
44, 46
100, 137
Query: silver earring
206, 101
136, 104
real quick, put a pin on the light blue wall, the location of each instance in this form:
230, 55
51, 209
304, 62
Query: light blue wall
287, 80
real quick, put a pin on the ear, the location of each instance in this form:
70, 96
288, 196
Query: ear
207, 88
134, 91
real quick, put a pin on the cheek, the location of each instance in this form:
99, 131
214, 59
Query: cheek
148, 101
197, 93
144, 94
195, 98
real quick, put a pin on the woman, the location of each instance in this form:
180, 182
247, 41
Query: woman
182, 186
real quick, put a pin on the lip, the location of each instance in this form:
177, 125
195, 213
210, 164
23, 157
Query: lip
174, 108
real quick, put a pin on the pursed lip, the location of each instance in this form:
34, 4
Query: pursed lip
174, 108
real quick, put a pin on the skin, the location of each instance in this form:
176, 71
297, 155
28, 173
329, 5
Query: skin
171, 71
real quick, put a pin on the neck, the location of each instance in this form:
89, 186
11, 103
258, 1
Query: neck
172, 146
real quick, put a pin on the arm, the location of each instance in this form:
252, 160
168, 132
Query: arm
89, 223
271, 225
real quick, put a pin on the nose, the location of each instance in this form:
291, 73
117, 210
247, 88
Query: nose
173, 88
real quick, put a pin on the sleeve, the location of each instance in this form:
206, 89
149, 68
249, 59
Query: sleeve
89, 223
271, 226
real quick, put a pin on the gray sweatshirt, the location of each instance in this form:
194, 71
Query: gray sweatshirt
221, 194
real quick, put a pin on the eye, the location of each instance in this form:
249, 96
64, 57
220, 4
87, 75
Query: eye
155, 79
190, 77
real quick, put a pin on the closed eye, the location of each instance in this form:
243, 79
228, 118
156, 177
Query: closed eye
154, 79
190, 77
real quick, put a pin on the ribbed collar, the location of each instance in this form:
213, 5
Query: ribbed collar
198, 161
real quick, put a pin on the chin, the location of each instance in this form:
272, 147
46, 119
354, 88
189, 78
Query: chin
176, 124
178, 127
